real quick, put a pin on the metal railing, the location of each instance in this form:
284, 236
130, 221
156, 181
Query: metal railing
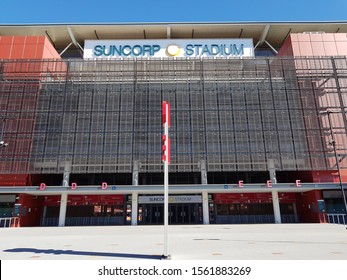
9, 222
254, 219
245, 219
340, 219
84, 221
289, 219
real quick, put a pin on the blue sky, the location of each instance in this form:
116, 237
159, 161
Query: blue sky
113, 11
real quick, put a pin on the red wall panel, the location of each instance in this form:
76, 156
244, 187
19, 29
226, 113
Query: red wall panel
307, 207
230, 198
54, 200
31, 210
24, 47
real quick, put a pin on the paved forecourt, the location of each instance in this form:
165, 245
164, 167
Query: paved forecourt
186, 242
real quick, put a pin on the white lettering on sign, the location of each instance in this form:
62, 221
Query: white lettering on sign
172, 199
113, 49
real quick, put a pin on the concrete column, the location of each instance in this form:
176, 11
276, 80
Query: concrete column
136, 173
205, 211
134, 195
63, 198
62, 211
66, 176
272, 170
276, 206
134, 209
203, 172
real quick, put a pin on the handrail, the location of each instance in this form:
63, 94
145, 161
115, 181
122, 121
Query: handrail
337, 219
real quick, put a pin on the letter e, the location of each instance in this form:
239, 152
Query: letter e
268, 184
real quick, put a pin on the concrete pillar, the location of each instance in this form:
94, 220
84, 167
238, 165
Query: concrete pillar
134, 195
63, 198
134, 209
62, 211
136, 173
66, 176
276, 206
203, 172
205, 211
272, 170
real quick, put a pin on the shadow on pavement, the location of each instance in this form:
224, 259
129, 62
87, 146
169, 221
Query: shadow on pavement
82, 253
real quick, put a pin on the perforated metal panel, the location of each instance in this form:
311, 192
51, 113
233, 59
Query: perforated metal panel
235, 114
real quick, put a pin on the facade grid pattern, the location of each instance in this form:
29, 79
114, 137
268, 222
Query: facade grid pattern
235, 114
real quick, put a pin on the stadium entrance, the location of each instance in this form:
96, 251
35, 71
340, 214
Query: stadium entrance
180, 210
185, 213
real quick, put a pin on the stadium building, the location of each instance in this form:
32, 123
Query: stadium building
258, 123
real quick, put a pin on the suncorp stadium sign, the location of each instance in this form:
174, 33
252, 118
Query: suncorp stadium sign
112, 49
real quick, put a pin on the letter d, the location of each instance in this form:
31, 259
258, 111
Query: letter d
73, 186
42, 186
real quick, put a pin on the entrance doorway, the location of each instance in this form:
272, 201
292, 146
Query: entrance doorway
151, 214
179, 213
182, 213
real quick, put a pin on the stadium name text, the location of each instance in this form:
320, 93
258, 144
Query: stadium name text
151, 50
113, 49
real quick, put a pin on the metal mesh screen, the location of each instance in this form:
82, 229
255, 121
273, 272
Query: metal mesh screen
236, 114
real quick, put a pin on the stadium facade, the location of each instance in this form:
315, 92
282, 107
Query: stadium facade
258, 123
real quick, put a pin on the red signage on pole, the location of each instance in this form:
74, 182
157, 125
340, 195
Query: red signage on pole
165, 140
163, 147
166, 113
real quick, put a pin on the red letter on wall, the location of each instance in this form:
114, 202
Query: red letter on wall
298, 183
104, 186
73, 186
241, 184
42, 186
268, 184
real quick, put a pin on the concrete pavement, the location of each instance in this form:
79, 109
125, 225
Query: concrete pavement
186, 242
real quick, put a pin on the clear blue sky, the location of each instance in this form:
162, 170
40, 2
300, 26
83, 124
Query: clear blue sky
114, 11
